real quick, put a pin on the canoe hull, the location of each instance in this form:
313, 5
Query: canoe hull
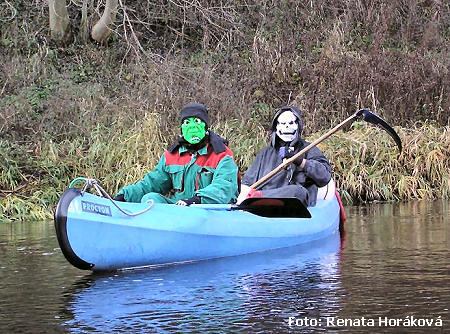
94, 235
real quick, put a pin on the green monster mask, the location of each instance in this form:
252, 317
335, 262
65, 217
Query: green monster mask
193, 130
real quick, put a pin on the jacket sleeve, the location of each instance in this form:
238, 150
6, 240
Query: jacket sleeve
223, 188
317, 167
158, 180
252, 173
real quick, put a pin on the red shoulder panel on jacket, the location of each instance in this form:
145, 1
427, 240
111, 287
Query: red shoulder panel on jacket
176, 158
212, 159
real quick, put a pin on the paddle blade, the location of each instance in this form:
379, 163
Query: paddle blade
274, 207
370, 117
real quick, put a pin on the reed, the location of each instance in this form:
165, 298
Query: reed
365, 161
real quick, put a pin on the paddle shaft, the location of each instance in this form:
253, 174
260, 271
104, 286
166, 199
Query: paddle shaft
303, 151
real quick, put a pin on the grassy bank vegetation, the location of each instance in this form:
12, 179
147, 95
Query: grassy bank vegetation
108, 111
366, 163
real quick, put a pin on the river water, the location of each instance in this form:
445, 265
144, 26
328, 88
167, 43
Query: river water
389, 274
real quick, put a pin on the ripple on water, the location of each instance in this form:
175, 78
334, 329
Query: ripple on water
394, 263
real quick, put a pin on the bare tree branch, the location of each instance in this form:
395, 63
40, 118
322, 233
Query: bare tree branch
103, 28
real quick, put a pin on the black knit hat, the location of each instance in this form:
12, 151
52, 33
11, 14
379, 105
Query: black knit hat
195, 110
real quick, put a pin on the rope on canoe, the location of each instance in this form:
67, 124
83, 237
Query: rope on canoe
93, 183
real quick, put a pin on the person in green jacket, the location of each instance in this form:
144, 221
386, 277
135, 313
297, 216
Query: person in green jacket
198, 168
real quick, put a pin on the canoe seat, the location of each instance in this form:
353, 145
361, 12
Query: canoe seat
327, 191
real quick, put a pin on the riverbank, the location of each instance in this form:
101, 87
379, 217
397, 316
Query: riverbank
107, 111
365, 161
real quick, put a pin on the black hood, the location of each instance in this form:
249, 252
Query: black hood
298, 114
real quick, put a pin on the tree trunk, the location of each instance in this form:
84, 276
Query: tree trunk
103, 28
59, 21
84, 24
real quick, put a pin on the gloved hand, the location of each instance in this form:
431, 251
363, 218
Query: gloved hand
120, 198
247, 192
300, 161
189, 201
254, 193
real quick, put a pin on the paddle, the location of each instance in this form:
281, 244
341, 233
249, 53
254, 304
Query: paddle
366, 115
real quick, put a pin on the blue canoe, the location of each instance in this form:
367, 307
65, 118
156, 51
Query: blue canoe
95, 235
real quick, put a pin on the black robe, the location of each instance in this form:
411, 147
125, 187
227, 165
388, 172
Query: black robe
292, 181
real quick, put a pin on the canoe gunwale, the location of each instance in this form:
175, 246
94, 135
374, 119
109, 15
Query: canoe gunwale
61, 229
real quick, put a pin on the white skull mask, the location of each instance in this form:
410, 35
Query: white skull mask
287, 126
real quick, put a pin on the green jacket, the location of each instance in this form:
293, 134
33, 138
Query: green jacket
181, 175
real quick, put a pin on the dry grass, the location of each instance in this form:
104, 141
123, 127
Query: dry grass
366, 164
368, 168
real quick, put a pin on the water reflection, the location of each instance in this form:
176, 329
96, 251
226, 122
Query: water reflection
395, 263
257, 292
